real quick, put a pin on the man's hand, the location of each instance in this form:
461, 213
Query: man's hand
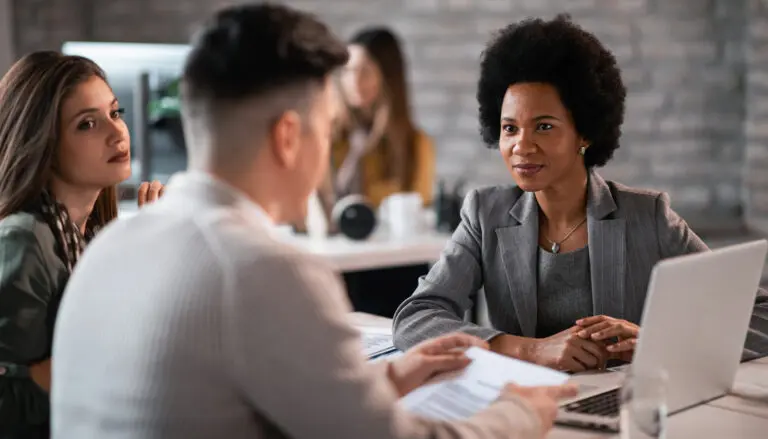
543, 400
431, 358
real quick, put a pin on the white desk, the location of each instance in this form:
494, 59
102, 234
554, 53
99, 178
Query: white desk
702, 422
361, 319
733, 416
346, 255
750, 390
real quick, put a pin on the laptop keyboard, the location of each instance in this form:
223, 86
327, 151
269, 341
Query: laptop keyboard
602, 404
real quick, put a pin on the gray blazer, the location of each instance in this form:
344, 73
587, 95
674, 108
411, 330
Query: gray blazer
495, 247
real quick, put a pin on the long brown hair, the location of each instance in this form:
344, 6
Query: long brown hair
384, 48
31, 97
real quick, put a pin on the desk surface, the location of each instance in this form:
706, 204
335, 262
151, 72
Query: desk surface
702, 422
361, 319
742, 414
377, 252
750, 390
346, 255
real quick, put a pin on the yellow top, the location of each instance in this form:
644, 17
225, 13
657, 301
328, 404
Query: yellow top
377, 185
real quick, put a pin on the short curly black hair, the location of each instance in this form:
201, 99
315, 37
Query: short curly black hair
562, 54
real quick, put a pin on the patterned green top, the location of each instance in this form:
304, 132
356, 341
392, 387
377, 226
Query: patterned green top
32, 279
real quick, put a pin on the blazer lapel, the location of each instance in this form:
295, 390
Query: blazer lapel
519, 252
607, 249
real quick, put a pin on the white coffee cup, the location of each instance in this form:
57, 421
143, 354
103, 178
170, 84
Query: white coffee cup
404, 214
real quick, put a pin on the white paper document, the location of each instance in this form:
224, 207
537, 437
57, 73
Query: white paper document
461, 395
376, 341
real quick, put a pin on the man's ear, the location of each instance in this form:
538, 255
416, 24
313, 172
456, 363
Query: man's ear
285, 139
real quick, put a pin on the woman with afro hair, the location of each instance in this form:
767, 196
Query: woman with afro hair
564, 256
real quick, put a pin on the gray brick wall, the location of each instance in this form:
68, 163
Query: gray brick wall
756, 122
693, 116
6, 36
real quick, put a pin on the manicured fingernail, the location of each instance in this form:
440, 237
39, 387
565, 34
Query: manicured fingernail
611, 348
597, 334
582, 333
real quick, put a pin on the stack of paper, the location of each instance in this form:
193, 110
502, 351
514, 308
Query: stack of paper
461, 395
376, 342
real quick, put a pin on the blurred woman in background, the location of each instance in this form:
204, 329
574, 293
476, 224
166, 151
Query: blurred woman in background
63, 149
378, 149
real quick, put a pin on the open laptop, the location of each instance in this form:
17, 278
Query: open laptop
694, 324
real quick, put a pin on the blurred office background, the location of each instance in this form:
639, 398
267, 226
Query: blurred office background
697, 72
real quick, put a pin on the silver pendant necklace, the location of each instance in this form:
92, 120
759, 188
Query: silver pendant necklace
556, 244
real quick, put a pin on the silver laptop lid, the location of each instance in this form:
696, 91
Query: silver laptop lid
696, 318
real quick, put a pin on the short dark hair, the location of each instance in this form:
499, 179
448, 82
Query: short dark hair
562, 54
254, 48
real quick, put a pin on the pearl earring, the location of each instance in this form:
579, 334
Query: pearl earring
582, 150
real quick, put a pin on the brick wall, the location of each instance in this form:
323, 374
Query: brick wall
756, 123
6, 36
685, 63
